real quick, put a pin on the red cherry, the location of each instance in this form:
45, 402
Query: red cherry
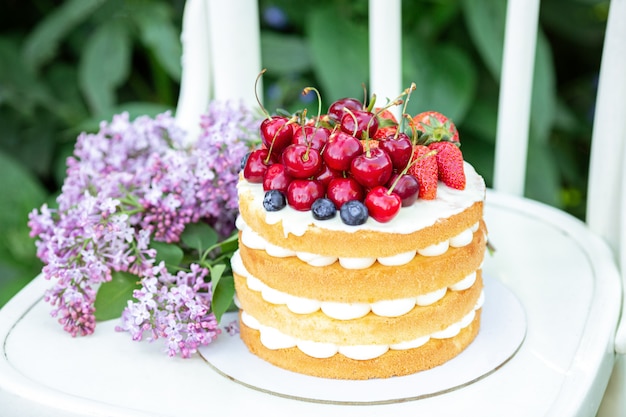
340, 150
301, 161
359, 122
257, 164
276, 133
302, 193
398, 149
276, 178
341, 190
326, 174
336, 109
406, 186
311, 135
372, 168
381, 205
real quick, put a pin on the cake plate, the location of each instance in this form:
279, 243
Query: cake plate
563, 276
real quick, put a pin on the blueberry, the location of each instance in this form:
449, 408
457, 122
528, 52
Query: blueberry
353, 213
244, 160
274, 200
323, 209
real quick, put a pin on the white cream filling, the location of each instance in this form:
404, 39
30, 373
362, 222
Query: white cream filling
344, 311
253, 240
273, 339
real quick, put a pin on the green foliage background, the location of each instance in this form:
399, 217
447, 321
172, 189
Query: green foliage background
66, 65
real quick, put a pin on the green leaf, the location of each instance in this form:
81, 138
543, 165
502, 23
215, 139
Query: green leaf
284, 54
230, 244
216, 273
340, 54
42, 43
485, 20
544, 95
223, 296
160, 36
22, 193
542, 176
104, 65
113, 296
445, 76
199, 236
169, 253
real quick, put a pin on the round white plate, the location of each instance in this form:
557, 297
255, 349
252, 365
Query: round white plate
503, 329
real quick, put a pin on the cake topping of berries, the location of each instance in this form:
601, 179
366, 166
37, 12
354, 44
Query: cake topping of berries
353, 213
323, 209
356, 159
274, 200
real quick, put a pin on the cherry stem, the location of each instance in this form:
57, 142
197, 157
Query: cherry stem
407, 92
256, 95
306, 91
406, 168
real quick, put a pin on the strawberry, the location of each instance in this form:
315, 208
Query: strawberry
449, 164
424, 168
435, 127
387, 124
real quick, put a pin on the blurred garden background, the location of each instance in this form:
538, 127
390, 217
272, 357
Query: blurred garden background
66, 65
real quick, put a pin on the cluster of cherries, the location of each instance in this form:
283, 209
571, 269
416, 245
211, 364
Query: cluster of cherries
353, 159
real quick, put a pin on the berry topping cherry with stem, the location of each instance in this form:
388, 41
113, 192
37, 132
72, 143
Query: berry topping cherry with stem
336, 109
382, 205
301, 161
342, 190
340, 150
276, 178
256, 165
301, 193
406, 186
399, 146
276, 132
372, 168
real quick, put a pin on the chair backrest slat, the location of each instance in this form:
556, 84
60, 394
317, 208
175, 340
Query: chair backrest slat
516, 81
607, 176
385, 47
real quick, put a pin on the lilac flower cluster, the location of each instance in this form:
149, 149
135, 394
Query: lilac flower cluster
131, 183
173, 307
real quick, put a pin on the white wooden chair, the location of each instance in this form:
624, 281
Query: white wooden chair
565, 272
607, 178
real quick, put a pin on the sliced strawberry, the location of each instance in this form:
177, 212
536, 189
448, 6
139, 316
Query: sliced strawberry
449, 164
424, 168
435, 127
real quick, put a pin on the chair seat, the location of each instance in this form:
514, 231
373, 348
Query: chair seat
565, 279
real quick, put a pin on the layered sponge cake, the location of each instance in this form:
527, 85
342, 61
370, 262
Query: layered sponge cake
333, 288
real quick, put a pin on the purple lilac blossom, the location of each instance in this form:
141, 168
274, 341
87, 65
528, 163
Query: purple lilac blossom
128, 184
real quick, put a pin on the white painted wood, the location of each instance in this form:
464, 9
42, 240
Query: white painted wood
385, 49
195, 88
515, 96
235, 49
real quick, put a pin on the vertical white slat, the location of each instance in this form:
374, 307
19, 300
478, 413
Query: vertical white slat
609, 131
235, 49
606, 192
518, 61
385, 50
195, 87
